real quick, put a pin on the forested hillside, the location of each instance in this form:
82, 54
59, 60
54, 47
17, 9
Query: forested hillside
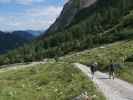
9, 41
105, 21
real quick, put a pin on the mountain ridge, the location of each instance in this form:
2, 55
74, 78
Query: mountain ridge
68, 13
12, 40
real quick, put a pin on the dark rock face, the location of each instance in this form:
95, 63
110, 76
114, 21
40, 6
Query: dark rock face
68, 13
86, 3
65, 17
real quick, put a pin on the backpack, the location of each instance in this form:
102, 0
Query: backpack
112, 67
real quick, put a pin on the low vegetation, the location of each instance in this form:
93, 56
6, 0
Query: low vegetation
55, 81
120, 52
127, 73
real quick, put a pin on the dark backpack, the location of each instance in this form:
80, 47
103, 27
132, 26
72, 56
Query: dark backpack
112, 67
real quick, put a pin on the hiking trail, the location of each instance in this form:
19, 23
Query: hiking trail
112, 89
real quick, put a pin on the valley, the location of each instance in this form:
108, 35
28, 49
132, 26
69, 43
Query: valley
55, 65
13, 40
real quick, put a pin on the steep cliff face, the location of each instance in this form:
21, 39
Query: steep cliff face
65, 17
69, 11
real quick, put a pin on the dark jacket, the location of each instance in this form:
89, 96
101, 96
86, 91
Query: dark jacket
93, 68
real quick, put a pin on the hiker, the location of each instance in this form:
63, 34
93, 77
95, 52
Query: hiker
111, 70
56, 58
93, 68
118, 68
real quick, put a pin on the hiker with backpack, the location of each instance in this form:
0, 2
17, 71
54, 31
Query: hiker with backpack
112, 70
93, 68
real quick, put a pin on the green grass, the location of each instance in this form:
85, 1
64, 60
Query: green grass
118, 52
55, 81
127, 73
61, 80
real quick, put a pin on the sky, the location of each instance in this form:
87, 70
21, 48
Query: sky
28, 14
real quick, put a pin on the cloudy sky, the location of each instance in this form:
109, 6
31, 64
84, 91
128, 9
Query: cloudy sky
28, 14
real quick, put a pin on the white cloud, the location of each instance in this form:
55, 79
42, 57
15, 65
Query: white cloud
65, 1
44, 11
5, 1
36, 18
24, 2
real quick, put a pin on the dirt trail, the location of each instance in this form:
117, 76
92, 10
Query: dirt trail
113, 89
20, 66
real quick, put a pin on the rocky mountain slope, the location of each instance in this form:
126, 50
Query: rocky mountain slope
71, 8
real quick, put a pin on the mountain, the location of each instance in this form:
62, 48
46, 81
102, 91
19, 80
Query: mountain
76, 10
71, 8
65, 18
23, 34
13, 40
83, 24
35, 33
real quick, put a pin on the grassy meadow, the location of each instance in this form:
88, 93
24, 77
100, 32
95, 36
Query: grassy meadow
118, 52
55, 81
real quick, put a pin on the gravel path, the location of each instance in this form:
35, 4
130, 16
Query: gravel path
113, 89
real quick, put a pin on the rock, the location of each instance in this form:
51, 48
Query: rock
68, 13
